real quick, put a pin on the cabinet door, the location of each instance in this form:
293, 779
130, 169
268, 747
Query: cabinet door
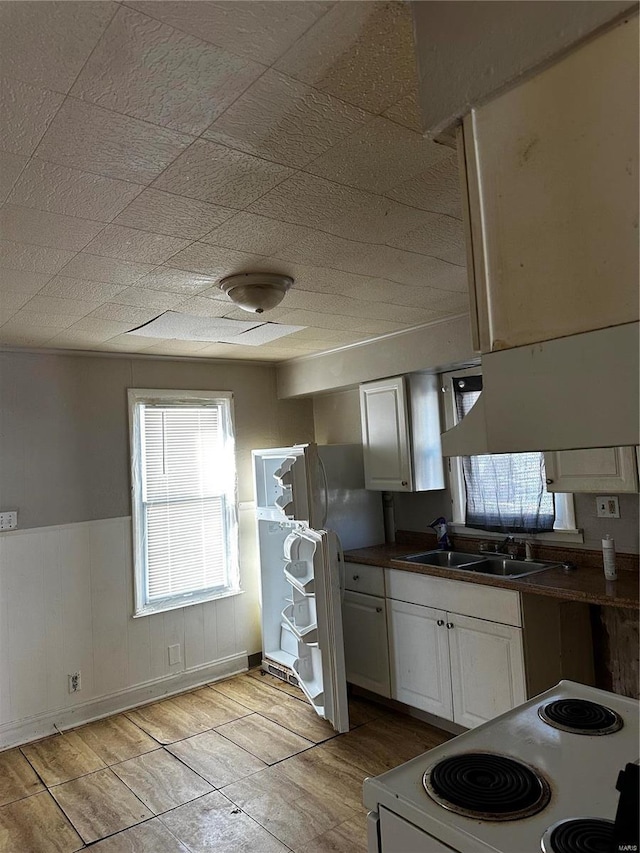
419, 652
487, 669
602, 469
366, 651
385, 435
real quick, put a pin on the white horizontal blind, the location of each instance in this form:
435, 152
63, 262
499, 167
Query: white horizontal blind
184, 479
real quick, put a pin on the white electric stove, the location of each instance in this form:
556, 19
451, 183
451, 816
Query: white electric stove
517, 784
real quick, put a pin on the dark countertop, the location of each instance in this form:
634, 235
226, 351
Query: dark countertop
586, 583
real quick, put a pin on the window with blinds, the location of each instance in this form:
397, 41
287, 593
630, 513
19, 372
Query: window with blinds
184, 504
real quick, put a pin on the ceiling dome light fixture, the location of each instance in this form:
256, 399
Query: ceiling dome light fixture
256, 292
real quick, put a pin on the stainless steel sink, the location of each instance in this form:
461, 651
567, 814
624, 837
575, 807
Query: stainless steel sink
446, 559
489, 564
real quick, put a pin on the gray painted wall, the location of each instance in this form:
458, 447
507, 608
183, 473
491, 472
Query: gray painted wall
468, 52
64, 441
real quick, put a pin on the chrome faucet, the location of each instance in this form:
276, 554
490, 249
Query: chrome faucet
506, 548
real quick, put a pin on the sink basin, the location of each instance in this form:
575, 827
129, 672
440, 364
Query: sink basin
446, 559
503, 567
506, 568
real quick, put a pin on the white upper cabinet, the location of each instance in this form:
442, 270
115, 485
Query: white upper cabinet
604, 469
552, 174
401, 434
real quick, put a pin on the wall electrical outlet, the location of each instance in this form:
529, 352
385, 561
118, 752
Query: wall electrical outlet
75, 682
607, 506
174, 654
8, 520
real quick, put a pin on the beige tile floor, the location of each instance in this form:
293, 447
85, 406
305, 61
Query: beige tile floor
239, 766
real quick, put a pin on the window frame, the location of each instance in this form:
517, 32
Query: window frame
564, 532
136, 398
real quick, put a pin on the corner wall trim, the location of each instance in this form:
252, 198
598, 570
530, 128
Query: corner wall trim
19, 732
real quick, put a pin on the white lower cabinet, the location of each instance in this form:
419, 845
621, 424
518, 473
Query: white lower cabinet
487, 669
419, 651
366, 651
463, 669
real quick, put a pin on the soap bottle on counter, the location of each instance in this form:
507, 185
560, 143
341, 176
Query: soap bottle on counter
609, 558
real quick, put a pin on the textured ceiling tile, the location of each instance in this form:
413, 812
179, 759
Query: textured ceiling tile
436, 190
25, 114
143, 298
25, 319
47, 186
407, 112
21, 256
198, 306
175, 281
10, 167
87, 137
129, 244
47, 43
258, 30
418, 295
128, 343
215, 261
129, 314
32, 338
55, 305
356, 308
321, 320
78, 339
360, 52
221, 175
10, 303
283, 120
248, 232
94, 268
75, 288
431, 234
332, 337
177, 216
14, 281
276, 315
377, 261
46, 229
368, 159
311, 201
146, 69
177, 347
103, 329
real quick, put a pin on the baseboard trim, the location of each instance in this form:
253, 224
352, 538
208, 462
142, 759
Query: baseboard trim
41, 725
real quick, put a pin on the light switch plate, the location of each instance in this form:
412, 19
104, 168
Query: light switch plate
8, 520
174, 654
607, 506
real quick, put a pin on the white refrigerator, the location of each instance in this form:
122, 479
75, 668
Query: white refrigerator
310, 505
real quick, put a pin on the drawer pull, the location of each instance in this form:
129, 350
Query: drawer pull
378, 609
404, 483
449, 624
356, 577
440, 622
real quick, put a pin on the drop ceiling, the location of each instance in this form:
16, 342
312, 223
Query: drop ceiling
149, 149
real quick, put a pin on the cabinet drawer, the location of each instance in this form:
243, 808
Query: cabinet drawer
362, 578
484, 602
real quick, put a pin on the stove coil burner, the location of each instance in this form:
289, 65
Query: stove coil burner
579, 835
487, 785
580, 717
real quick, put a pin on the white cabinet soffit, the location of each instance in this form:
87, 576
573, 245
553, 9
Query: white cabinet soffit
570, 393
173, 325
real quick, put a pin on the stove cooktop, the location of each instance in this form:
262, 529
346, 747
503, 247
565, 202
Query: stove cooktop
581, 769
486, 785
579, 835
580, 717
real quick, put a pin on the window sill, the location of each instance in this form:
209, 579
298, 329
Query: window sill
559, 537
184, 601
